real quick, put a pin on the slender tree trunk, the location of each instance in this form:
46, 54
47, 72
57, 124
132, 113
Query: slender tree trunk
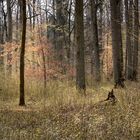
59, 31
126, 20
5, 35
129, 45
1, 36
100, 36
1, 24
17, 23
34, 3
22, 53
136, 40
79, 41
69, 35
9, 15
9, 35
95, 50
30, 16
44, 68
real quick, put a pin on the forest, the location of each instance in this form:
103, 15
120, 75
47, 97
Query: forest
69, 70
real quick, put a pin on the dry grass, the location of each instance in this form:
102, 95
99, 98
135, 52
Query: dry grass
62, 114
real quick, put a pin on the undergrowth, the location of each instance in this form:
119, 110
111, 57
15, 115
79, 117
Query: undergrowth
60, 113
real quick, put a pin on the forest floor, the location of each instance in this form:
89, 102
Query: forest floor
62, 114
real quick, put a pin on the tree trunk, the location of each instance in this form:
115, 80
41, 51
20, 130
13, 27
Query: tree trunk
136, 40
79, 41
95, 49
1, 24
1, 36
60, 20
129, 45
116, 41
9, 35
34, 5
30, 16
22, 54
9, 15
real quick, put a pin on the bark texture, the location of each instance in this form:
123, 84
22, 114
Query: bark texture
79, 40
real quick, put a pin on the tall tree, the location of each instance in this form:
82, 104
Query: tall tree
136, 40
9, 32
60, 21
79, 41
34, 13
116, 41
22, 54
100, 22
9, 15
1, 34
1, 23
129, 45
95, 48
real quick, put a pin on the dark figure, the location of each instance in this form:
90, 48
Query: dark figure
111, 97
120, 83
